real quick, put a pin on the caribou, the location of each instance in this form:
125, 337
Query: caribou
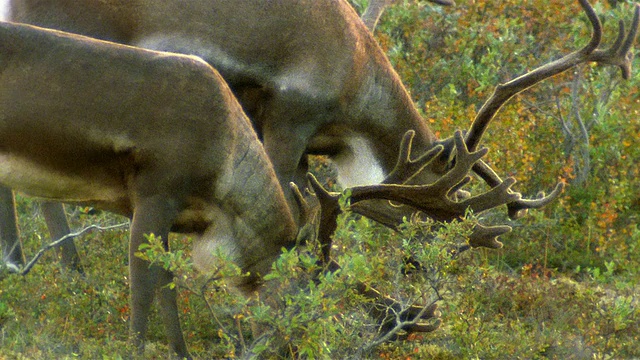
154, 136
313, 89
297, 99
309, 75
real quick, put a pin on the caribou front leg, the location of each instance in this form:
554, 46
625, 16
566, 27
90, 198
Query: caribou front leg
153, 215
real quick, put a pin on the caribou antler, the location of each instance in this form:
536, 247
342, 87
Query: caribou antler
397, 197
433, 199
436, 200
618, 54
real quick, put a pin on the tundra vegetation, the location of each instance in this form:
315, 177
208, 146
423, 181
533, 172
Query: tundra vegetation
564, 286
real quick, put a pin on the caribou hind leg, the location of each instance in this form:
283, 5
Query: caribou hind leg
57, 223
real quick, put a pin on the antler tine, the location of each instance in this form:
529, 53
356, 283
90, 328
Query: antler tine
618, 54
455, 191
308, 226
515, 208
498, 195
406, 168
303, 204
483, 236
433, 199
465, 158
329, 211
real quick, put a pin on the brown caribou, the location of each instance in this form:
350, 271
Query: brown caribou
154, 136
308, 73
296, 97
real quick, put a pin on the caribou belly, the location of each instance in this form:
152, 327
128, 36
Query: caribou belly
36, 180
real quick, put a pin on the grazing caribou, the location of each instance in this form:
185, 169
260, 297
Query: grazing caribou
154, 136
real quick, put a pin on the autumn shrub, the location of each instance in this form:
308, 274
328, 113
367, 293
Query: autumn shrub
581, 127
308, 312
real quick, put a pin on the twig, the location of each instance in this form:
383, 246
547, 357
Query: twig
400, 325
49, 246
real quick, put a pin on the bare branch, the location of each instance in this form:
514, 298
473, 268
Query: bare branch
27, 268
399, 322
374, 11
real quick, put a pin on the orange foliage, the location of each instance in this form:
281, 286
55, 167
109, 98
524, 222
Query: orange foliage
452, 58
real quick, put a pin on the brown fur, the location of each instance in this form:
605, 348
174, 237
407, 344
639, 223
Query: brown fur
321, 75
155, 136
